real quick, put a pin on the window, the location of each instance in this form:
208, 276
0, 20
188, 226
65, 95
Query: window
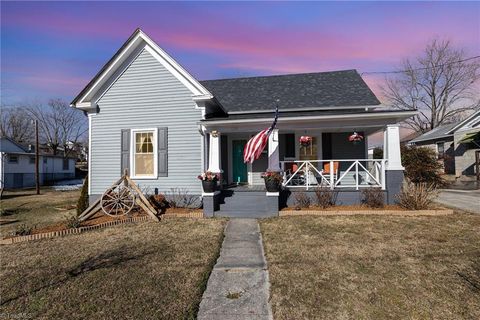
32, 160
45, 160
66, 164
290, 145
12, 158
144, 153
440, 150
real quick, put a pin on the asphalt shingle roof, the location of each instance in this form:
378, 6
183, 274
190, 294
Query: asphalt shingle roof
294, 91
436, 133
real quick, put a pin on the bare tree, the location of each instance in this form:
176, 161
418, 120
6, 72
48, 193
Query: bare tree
440, 84
60, 125
16, 124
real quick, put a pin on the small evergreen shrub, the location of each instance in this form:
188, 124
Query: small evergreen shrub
418, 196
301, 200
325, 197
421, 166
82, 203
373, 197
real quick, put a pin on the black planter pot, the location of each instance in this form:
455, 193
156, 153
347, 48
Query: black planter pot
209, 186
272, 185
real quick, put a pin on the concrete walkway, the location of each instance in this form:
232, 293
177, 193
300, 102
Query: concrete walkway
238, 287
466, 200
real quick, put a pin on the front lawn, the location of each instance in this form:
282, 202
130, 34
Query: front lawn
140, 271
33, 210
374, 267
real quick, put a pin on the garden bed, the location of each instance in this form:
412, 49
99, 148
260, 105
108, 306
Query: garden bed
99, 220
359, 209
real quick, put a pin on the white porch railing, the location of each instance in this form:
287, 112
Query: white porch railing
356, 173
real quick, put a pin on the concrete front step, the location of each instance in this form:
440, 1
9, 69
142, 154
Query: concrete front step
251, 204
244, 214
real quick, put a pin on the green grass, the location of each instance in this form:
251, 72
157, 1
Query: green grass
142, 271
374, 267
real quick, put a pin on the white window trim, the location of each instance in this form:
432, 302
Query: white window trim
155, 153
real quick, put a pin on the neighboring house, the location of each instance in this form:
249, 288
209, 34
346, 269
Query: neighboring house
149, 116
457, 145
17, 166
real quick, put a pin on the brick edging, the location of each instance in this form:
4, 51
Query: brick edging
195, 214
65, 232
436, 212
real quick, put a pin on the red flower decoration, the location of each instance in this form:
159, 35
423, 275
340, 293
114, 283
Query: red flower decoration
305, 141
355, 137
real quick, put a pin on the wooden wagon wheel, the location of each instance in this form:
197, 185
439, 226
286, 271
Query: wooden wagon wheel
118, 200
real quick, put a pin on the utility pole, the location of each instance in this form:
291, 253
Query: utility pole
37, 174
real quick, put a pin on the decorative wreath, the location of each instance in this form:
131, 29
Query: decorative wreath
305, 141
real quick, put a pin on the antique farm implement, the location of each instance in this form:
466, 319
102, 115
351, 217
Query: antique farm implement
119, 200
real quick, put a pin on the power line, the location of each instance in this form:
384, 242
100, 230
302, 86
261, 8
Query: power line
418, 69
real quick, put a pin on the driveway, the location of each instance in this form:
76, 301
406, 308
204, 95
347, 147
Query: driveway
466, 200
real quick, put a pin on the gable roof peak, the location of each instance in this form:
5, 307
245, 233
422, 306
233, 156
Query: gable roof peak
137, 39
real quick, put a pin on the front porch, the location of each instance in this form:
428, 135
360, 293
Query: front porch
330, 160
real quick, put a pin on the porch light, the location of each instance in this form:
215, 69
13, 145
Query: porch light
355, 138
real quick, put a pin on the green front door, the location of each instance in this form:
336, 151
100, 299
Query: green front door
239, 172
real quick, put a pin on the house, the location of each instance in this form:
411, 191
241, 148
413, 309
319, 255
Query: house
149, 116
17, 166
457, 145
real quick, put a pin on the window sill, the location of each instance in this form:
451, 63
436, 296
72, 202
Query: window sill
144, 177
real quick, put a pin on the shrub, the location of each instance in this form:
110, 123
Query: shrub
373, 197
82, 203
180, 198
72, 222
417, 196
377, 153
158, 201
22, 230
325, 197
421, 166
301, 199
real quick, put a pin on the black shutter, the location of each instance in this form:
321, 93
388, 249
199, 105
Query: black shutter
163, 152
125, 152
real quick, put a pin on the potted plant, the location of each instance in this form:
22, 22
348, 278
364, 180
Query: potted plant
273, 181
209, 181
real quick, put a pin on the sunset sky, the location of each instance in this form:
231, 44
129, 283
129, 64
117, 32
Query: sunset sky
52, 49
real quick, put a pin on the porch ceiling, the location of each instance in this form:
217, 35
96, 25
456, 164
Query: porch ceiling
369, 122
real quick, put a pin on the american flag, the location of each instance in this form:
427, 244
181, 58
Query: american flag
254, 147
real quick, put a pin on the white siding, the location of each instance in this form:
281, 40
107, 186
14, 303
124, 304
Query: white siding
147, 95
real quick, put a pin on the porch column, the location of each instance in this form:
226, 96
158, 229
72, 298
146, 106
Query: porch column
393, 168
214, 153
391, 147
273, 154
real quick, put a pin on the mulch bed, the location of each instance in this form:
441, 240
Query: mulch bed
100, 217
346, 208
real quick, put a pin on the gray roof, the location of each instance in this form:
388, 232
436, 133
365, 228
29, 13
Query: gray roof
7, 145
294, 91
440, 132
